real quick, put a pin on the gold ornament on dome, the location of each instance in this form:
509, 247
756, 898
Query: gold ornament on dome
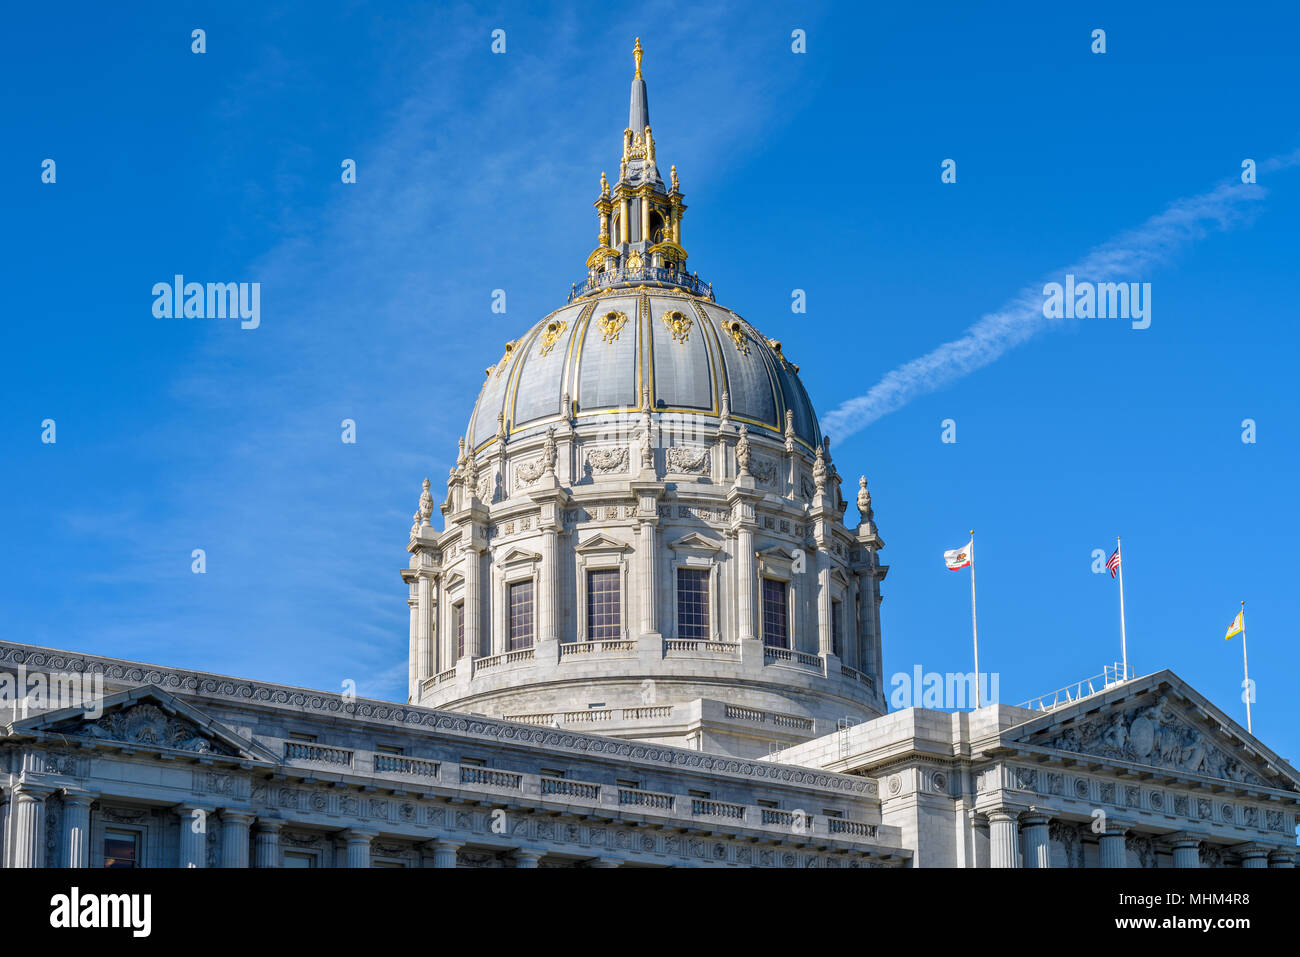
505, 359
554, 329
737, 333
634, 261
610, 325
679, 324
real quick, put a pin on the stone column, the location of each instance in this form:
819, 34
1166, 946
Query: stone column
266, 844
27, 828
624, 214
645, 218
473, 594
234, 838
980, 838
1254, 855
1038, 848
649, 586
548, 628
444, 852
426, 646
76, 828
526, 857
359, 847
1004, 842
825, 645
1186, 849
1282, 857
413, 667
5, 842
745, 582
194, 835
1114, 850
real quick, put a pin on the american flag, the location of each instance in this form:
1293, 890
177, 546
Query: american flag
1113, 563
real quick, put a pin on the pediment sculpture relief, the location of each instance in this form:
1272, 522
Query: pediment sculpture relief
1153, 735
149, 724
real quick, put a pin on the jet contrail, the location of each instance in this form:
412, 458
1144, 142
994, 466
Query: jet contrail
1020, 319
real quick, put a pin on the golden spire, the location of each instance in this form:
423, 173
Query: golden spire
636, 55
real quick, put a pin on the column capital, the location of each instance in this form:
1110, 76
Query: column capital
1002, 813
237, 815
527, 856
33, 790
76, 797
1183, 839
1034, 817
358, 834
268, 825
1282, 857
444, 844
1253, 849
1115, 827
603, 862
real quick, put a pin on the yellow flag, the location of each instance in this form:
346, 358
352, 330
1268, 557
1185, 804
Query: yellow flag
1237, 627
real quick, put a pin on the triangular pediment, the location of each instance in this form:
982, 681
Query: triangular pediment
1158, 722
600, 542
147, 717
695, 541
518, 556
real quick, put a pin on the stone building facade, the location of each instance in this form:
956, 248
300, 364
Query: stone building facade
642, 635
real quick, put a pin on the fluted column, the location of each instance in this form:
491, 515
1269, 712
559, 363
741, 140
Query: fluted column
645, 218
1254, 855
624, 214
981, 840
745, 582
266, 844
27, 828
359, 847
234, 838
548, 629
1186, 850
6, 843
649, 586
1038, 847
825, 642
76, 828
473, 618
1004, 842
194, 835
526, 857
444, 852
1114, 850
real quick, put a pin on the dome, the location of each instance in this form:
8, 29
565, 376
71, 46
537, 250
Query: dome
605, 350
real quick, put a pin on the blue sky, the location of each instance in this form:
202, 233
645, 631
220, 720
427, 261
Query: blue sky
818, 171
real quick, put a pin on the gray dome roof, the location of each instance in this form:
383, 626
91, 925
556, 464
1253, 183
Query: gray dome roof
602, 351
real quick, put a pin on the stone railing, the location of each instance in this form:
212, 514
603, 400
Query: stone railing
788, 656
696, 646
447, 675
702, 807
768, 717
545, 718
641, 714
575, 789
496, 779
523, 654
854, 675
306, 751
398, 764
570, 648
592, 716
505, 658
836, 825
635, 798
787, 818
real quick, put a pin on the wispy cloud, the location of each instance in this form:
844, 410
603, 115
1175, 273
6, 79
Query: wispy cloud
1122, 258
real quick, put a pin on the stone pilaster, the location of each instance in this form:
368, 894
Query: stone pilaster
1186, 849
444, 852
1038, 848
234, 838
358, 842
193, 834
1114, 849
741, 500
266, 844
76, 828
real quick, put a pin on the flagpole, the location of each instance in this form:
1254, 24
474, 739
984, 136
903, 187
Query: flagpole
1245, 668
1123, 635
974, 629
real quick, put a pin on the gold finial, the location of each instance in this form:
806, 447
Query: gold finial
636, 55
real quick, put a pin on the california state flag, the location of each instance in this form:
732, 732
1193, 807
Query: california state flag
956, 558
